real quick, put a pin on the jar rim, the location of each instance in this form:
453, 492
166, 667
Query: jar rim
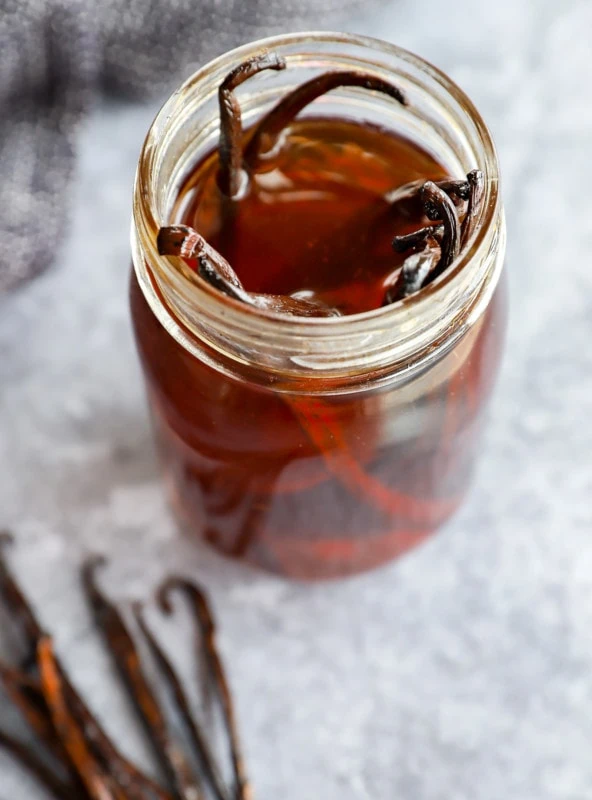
237, 314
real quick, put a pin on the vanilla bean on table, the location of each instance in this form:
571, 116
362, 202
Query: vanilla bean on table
73, 757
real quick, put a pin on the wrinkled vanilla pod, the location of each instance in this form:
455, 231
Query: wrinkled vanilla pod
435, 246
73, 758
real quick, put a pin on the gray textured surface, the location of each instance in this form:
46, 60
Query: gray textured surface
463, 671
54, 57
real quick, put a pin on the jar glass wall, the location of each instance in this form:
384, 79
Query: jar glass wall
318, 447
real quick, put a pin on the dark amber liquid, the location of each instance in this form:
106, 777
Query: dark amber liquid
315, 219
316, 486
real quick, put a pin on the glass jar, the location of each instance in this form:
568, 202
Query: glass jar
318, 447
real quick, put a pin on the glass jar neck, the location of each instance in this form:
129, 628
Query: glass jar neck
335, 353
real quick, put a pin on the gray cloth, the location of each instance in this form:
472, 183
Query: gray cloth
55, 55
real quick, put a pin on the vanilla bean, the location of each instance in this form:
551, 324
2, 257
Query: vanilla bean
127, 660
431, 260
438, 206
476, 182
268, 130
138, 786
418, 238
97, 782
22, 613
45, 776
183, 241
26, 695
204, 618
231, 129
62, 721
254, 520
25, 692
184, 708
414, 273
124, 772
458, 189
209, 272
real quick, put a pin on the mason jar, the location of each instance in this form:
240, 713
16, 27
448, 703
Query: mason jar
318, 447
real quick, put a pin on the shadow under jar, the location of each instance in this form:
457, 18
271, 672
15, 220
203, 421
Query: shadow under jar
318, 447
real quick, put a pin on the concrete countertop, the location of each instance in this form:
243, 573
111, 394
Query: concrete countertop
464, 671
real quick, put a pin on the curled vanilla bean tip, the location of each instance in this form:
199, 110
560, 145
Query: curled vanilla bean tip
193, 592
439, 206
176, 583
230, 152
268, 130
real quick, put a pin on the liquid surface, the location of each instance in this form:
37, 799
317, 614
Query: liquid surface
315, 221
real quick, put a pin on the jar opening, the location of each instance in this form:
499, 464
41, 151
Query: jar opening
440, 117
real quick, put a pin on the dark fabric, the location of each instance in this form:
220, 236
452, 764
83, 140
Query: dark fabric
55, 55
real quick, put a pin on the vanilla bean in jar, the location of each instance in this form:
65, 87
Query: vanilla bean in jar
318, 300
